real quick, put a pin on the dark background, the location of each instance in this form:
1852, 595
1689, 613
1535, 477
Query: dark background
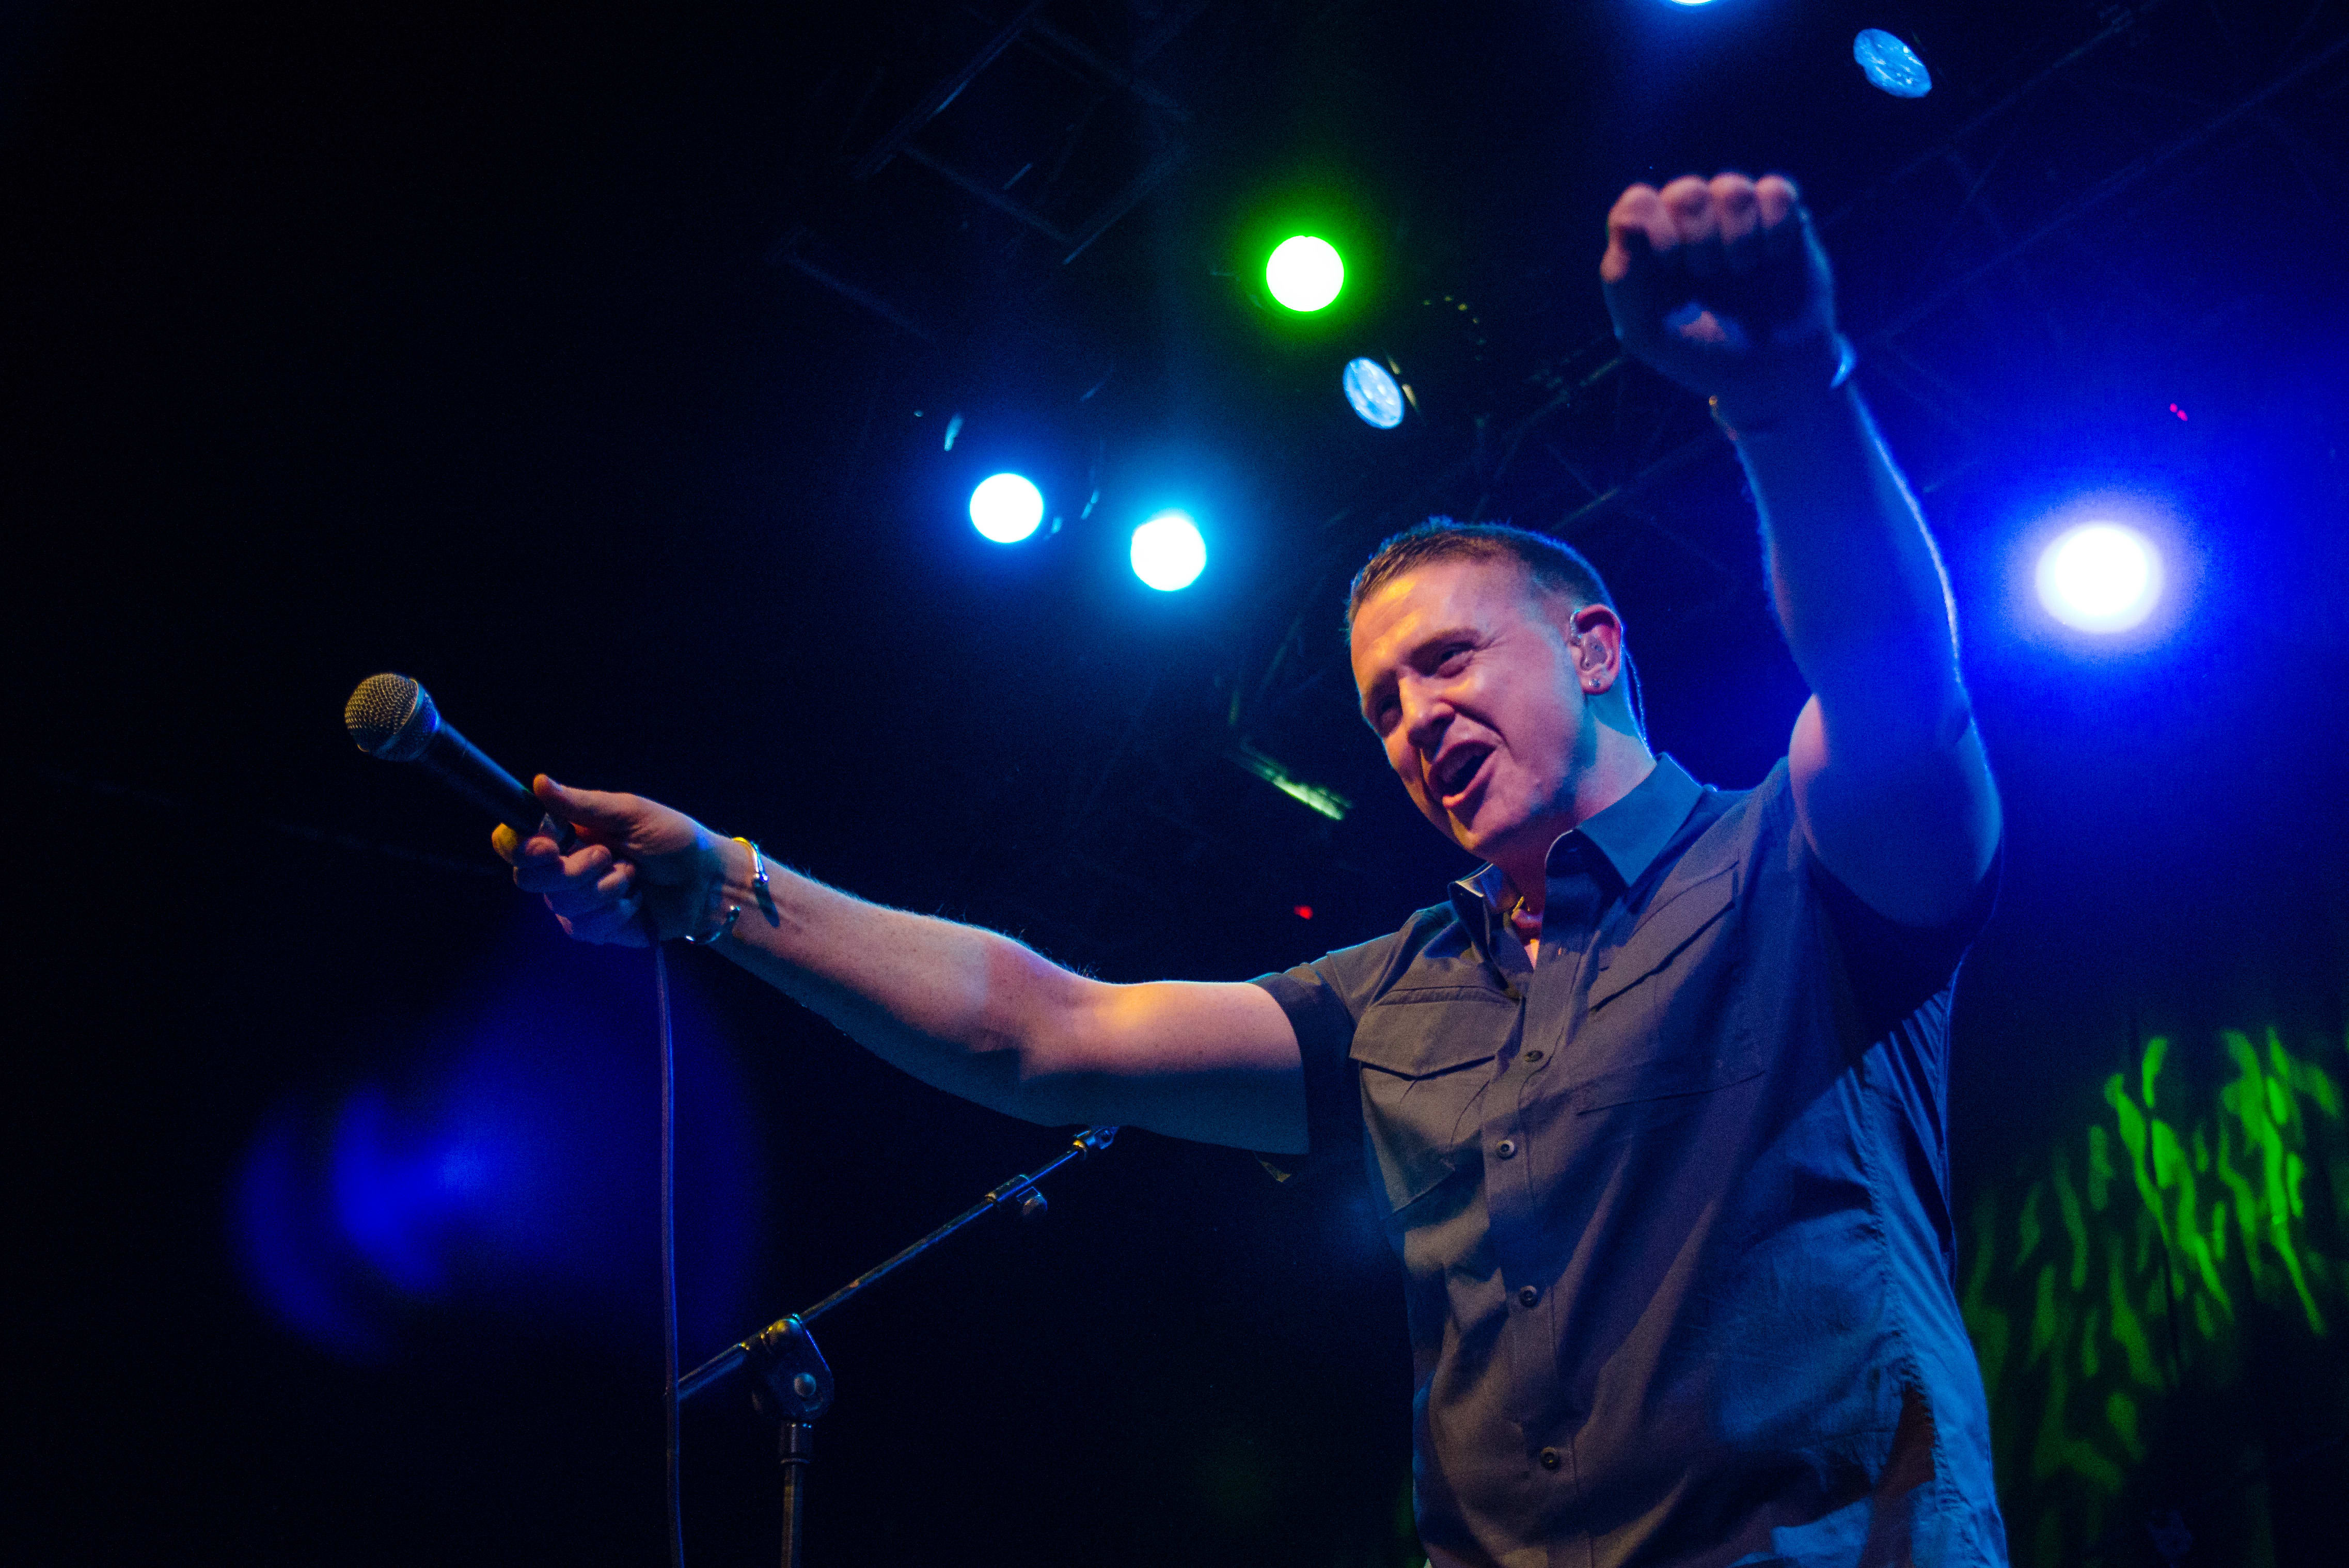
591, 366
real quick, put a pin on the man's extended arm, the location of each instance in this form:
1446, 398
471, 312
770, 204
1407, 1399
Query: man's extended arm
1720, 285
966, 1010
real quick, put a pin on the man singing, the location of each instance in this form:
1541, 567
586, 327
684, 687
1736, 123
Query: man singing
1655, 1100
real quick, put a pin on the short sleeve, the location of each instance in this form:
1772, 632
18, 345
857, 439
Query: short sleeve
1896, 969
1323, 999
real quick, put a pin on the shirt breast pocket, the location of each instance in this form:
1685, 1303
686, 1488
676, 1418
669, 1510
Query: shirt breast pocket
1426, 1059
1663, 1019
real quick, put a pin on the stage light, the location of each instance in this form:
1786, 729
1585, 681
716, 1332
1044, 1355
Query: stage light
1006, 508
1892, 64
1329, 802
1305, 273
2099, 577
1374, 393
512, 1172
1168, 552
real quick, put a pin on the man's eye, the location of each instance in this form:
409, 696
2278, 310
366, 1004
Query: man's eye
1454, 657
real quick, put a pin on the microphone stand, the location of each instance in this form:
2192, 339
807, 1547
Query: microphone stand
797, 1382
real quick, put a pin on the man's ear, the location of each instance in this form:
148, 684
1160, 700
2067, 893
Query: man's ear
1594, 638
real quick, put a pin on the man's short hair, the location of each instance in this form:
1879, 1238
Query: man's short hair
1552, 563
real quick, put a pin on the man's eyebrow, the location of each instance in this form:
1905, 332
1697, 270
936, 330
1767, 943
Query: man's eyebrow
1383, 685
1438, 638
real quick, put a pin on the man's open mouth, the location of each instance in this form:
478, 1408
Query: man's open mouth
1458, 769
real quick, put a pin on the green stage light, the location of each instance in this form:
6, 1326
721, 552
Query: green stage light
1305, 273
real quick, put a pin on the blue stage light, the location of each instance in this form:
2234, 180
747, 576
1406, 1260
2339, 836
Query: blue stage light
515, 1172
1168, 552
1006, 508
1374, 393
2100, 577
1892, 64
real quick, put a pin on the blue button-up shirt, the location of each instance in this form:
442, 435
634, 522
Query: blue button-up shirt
1673, 1204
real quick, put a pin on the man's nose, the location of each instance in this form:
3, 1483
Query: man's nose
1424, 721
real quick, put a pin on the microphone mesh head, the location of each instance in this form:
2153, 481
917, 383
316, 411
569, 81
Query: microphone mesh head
390, 717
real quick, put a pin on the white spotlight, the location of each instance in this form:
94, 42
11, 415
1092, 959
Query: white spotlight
2100, 577
1168, 552
1006, 508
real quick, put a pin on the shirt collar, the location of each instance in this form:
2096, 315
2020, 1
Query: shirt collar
1629, 835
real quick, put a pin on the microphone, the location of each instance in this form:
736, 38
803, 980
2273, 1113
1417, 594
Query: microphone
392, 716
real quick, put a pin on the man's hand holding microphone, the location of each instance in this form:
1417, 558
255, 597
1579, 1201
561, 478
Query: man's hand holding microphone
640, 873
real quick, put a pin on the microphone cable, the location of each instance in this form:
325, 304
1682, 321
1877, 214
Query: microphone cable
394, 718
669, 1248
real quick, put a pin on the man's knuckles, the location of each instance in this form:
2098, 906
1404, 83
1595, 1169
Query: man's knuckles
1736, 210
1691, 210
1631, 208
1637, 226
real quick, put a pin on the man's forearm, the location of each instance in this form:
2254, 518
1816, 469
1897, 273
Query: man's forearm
1857, 585
965, 1010
961, 1008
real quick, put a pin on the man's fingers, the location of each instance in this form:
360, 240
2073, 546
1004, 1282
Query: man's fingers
1688, 204
578, 902
1779, 205
1738, 214
546, 870
1717, 282
598, 809
1735, 210
1635, 228
612, 923
1708, 221
536, 853
592, 887
587, 862
625, 845
587, 900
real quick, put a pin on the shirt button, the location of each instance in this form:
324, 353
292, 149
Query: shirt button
1506, 1148
1549, 1460
1529, 1295
1532, 1057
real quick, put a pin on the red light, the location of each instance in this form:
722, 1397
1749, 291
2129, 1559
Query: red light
2177, 410
1304, 911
